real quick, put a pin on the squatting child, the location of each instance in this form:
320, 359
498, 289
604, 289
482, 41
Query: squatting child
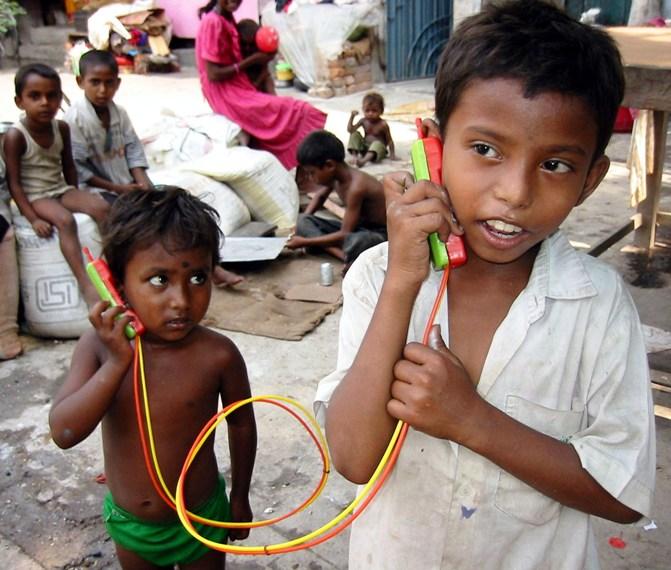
107, 151
539, 413
41, 174
372, 145
161, 247
321, 156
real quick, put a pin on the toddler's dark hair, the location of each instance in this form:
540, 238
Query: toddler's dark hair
247, 29
40, 69
318, 147
168, 214
97, 57
541, 46
374, 98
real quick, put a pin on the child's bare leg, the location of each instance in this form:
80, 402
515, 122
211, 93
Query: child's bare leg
87, 203
336, 252
213, 560
368, 157
131, 561
224, 278
10, 345
55, 213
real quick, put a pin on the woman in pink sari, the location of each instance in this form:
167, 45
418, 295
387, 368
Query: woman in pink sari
275, 124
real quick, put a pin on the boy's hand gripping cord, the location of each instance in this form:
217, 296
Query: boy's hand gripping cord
103, 281
443, 257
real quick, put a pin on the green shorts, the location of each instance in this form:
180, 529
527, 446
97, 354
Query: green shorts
165, 544
358, 144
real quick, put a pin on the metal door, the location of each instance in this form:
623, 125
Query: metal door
416, 34
613, 12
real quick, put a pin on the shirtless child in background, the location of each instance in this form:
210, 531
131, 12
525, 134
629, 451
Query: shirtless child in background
322, 157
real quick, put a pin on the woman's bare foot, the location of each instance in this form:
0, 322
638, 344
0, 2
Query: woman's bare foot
10, 346
224, 278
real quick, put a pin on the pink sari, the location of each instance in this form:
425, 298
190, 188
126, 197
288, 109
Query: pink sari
277, 124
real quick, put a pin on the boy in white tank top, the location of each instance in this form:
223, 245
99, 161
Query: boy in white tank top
41, 174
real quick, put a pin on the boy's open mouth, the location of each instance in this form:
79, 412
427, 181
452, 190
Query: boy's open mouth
502, 229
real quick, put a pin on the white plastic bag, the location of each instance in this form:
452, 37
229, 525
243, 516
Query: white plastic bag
231, 209
264, 185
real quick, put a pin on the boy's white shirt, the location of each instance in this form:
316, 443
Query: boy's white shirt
88, 143
569, 361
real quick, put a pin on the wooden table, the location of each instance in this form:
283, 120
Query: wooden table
646, 54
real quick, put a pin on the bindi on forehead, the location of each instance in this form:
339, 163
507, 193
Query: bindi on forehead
185, 264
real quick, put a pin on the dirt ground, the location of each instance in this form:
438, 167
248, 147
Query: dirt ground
50, 500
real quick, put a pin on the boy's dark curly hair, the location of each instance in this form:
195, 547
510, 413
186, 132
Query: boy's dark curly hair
541, 46
168, 214
40, 69
318, 147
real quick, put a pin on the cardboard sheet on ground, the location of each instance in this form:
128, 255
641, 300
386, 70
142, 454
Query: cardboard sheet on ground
251, 248
269, 302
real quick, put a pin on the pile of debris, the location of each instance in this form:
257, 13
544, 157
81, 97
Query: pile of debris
136, 34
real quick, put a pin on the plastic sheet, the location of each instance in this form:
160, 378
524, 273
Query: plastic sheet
310, 35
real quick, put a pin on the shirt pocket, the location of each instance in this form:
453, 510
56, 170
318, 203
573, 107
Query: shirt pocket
515, 497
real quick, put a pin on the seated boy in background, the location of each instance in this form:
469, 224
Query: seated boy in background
372, 146
107, 151
321, 156
258, 74
41, 173
539, 414
108, 154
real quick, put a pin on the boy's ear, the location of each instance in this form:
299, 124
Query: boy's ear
80, 81
17, 102
596, 174
431, 128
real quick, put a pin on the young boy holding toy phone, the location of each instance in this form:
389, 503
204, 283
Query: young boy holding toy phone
162, 247
539, 413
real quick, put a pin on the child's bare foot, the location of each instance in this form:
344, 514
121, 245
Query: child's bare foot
224, 278
10, 346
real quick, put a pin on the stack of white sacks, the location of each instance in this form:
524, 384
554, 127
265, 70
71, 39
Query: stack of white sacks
195, 153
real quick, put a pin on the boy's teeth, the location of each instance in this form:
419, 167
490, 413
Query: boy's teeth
503, 227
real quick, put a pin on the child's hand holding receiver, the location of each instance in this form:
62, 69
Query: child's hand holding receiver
434, 394
415, 210
110, 323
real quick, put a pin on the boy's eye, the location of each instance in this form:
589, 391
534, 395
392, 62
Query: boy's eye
556, 166
484, 149
158, 280
198, 278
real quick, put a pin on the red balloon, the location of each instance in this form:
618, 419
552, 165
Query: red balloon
267, 39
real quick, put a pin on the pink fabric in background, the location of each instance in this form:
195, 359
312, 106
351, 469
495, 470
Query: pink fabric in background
276, 124
184, 14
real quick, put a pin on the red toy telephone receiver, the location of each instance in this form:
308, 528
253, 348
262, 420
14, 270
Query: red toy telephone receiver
101, 277
427, 162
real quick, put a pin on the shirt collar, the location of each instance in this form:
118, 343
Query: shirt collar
559, 271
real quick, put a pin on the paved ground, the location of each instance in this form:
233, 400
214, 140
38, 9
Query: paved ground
50, 502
